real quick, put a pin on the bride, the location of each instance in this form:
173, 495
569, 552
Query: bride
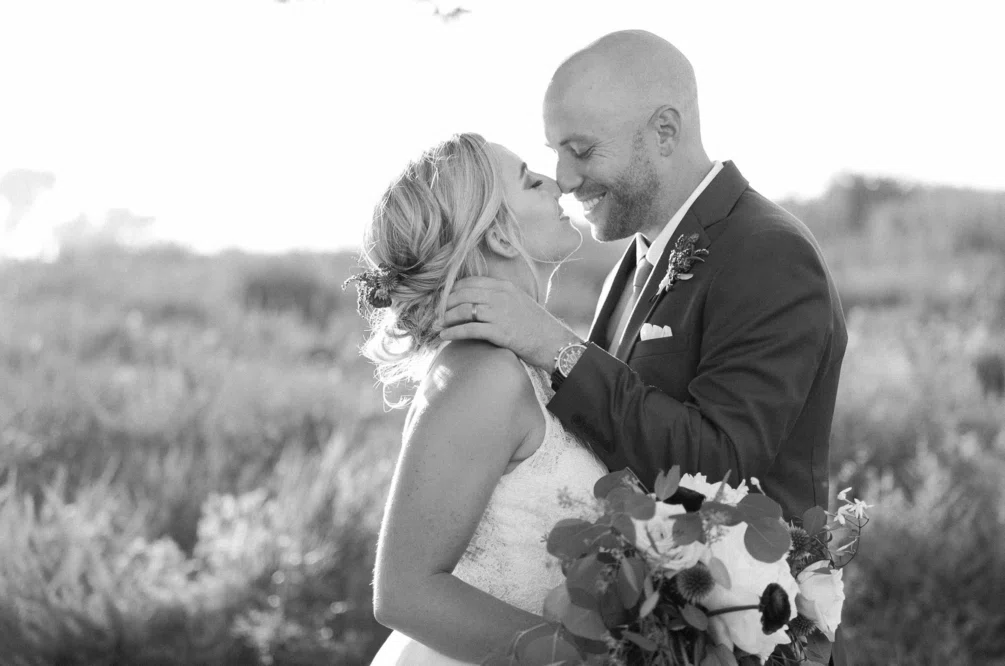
461, 560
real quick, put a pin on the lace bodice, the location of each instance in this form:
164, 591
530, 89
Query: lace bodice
507, 555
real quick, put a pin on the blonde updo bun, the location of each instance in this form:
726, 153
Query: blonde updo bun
430, 227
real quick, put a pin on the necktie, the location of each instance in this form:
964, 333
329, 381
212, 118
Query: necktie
627, 303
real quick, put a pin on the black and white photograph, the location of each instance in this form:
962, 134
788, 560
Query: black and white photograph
484, 333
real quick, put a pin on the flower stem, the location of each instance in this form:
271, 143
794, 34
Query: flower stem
731, 609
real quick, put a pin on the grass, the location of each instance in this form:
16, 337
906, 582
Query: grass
194, 458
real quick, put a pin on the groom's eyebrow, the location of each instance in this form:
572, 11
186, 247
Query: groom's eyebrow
582, 139
523, 170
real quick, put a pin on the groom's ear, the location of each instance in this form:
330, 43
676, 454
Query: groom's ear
499, 243
667, 124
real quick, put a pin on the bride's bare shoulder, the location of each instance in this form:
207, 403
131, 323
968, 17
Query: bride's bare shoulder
475, 374
467, 364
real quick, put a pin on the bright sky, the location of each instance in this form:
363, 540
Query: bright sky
270, 126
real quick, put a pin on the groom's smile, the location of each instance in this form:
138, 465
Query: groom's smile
591, 203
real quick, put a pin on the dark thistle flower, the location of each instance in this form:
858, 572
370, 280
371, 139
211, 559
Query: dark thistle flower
774, 607
801, 544
801, 626
805, 550
374, 286
672, 594
695, 583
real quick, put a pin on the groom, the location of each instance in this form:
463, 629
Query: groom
730, 364
718, 340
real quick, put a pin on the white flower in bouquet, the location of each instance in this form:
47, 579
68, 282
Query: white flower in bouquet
654, 538
821, 596
699, 483
749, 578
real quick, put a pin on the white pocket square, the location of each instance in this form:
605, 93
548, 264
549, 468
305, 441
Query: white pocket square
650, 332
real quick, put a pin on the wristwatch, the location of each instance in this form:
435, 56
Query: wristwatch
564, 361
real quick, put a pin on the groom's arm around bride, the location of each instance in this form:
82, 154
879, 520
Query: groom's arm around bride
745, 382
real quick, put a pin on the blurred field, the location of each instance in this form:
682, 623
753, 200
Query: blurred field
195, 458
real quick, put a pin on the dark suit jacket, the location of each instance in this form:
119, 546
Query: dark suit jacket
747, 382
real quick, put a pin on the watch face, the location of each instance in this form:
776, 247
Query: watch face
569, 358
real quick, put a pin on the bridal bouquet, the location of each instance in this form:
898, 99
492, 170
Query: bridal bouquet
696, 573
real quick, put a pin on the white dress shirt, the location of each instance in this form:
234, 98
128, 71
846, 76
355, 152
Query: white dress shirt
651, 252
655, 249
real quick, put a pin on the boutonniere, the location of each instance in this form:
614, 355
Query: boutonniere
682, 258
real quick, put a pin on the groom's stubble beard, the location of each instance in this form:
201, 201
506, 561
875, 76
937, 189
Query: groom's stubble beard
631, 205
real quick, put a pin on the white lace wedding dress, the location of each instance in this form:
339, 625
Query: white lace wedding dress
506, 556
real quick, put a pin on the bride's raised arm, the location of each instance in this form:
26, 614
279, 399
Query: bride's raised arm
472, 412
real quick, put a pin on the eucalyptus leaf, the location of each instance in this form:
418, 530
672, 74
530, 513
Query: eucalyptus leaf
687, 528
648, 605
613, 612
767, 539
629, 581
556, 603
605, 539
719, 572
667, 483
757, 506
570, 538
581, 621
584, 622
814, 520
640, 640
693, 616
581, 580
632, 502
677, 624
582, 597
818, 648
642, 507
546, 644
608, 482
721, 514
624, 525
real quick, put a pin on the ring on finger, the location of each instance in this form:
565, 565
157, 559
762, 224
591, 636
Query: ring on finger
474, 312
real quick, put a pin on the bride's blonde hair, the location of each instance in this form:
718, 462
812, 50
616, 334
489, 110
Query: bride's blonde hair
429, 231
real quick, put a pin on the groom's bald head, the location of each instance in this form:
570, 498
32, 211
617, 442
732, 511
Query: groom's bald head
622, 113
629, 74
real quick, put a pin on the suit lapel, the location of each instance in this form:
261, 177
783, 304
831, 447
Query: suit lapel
609, 297
718, 199
711, 206
647, 303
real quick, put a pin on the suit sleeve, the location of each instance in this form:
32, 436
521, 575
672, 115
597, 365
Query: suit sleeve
768, 319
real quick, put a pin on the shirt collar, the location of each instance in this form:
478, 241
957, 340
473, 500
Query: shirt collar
653, 251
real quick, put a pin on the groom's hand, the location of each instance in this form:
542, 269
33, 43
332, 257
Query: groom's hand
507, 317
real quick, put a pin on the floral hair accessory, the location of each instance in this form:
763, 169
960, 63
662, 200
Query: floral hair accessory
373, 287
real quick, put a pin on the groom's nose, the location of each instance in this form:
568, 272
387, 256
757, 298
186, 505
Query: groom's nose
552, 187
566, 175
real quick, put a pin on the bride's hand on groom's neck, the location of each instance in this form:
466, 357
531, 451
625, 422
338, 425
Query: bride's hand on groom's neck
484, 308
